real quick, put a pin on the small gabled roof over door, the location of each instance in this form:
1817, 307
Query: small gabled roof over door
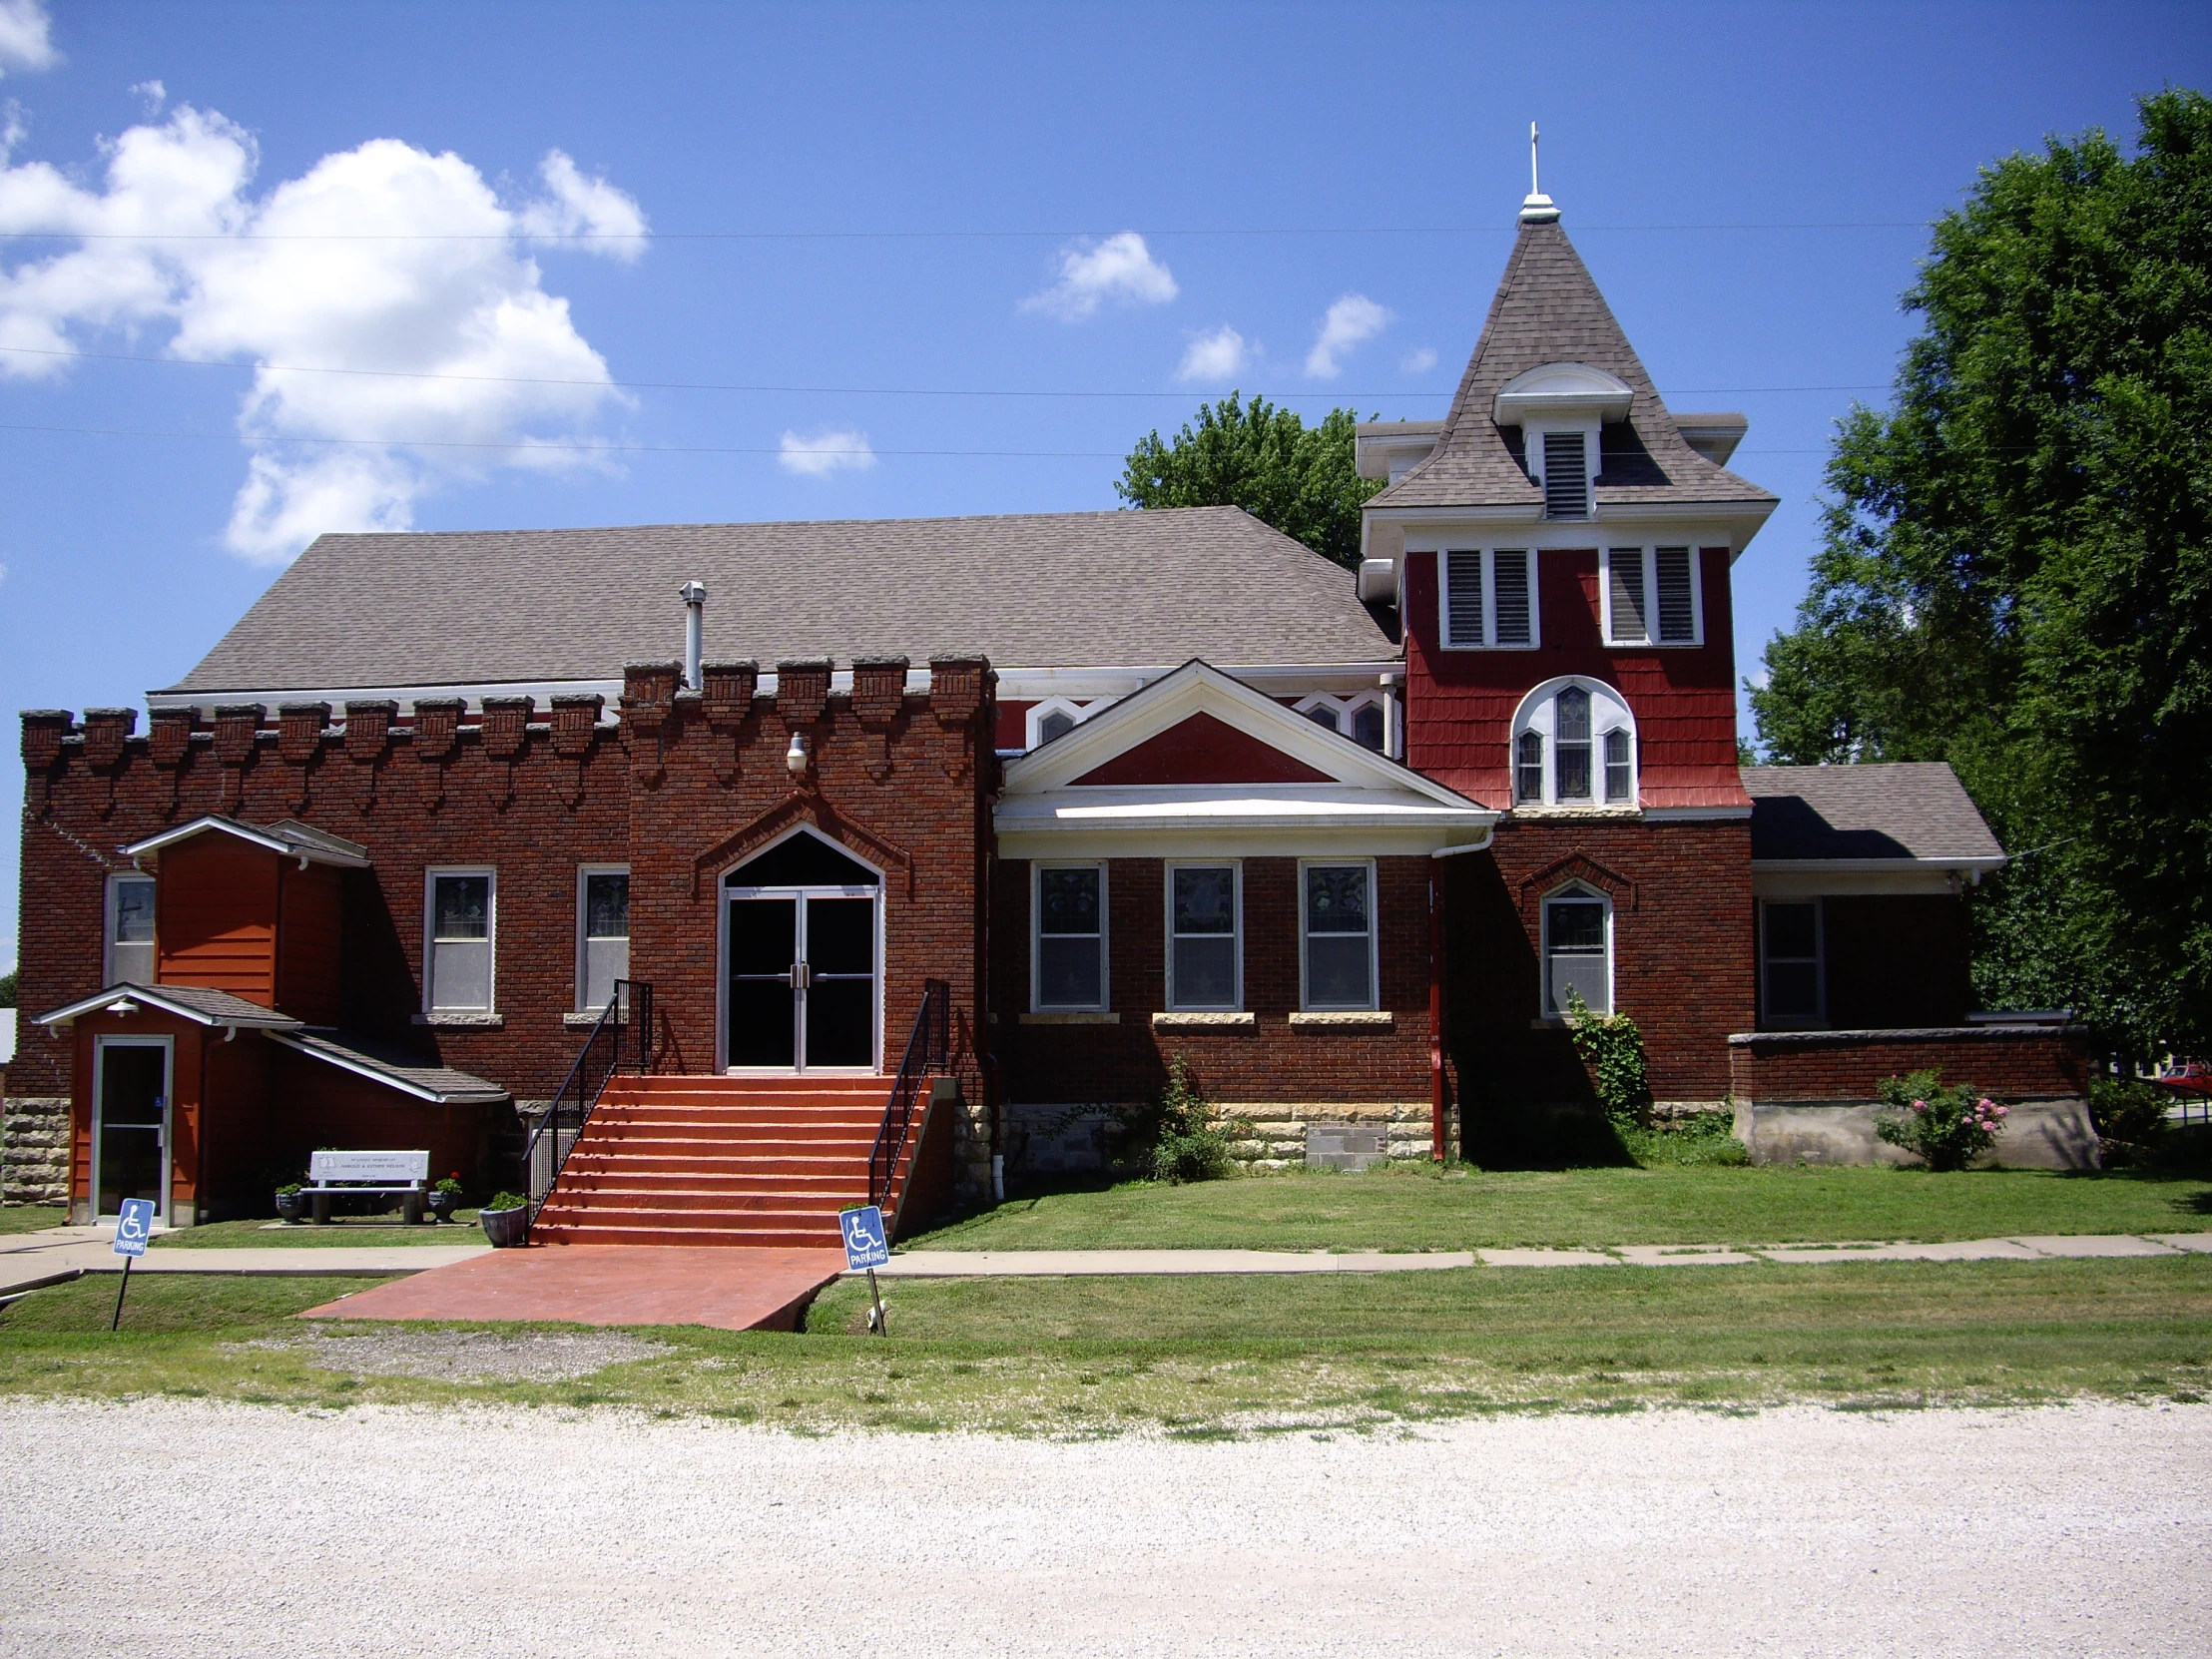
1199, 763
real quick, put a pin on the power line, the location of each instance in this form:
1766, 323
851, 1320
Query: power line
836, 391
936, 235
534, 448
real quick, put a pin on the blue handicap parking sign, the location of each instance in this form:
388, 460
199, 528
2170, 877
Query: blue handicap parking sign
134, 1226
865, 1244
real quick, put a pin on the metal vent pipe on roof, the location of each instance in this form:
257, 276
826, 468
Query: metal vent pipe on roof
695, 633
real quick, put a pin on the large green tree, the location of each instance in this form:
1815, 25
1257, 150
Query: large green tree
2016, 573
1260, 457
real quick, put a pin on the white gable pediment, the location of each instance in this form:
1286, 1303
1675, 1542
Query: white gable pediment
1565, 389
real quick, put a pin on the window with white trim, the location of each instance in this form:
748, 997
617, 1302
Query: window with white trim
1579, 948
459, 925
1337, 935
1790, 960
1487, 597
1650, 596
602, 933
1068, 948
1205, 936
129, 956
1575, 745
1056, 717
1361, 716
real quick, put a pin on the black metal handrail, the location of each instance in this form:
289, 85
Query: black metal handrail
928, 1049
621, 1040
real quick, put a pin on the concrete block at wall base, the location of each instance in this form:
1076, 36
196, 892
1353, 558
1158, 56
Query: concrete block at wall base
1065, 1139
2039, 1133
34, 1150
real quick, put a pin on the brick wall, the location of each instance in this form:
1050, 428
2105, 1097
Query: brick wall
2005, 1063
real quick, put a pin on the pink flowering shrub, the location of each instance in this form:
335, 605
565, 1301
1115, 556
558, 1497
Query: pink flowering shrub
1945, 1127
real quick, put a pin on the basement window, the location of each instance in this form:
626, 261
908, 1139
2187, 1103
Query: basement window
603, 933
460, 929
1068, 963
129, 931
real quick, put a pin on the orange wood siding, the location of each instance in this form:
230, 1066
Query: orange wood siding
307, 944
186, 1038
215, 919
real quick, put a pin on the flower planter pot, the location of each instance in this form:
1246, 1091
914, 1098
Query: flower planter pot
504, 1229
291, 1206
442, 1205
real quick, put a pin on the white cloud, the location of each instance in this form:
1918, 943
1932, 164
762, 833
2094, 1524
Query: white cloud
1121, 269
831, 450
1351, 319
1418, 360
404, 269
25, 41
1215, 357
154, 94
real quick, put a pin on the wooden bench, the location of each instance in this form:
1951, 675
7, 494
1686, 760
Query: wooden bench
375, 1172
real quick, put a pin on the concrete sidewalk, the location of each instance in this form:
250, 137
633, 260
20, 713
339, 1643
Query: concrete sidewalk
31, 1260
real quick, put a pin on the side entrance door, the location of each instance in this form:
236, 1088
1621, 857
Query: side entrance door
129, 1123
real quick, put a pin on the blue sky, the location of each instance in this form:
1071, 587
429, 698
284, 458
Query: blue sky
865, 226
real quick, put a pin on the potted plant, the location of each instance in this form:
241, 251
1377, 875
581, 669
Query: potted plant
291, 1202
445, 1197
506, 1220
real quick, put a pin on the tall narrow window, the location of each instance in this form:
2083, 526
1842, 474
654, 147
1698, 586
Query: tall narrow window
1071, 938
1528, 768
1625, 586
1567, 476
603, 950
129, 942
1463, 627
1677, 580
1340, 936
1368, 728
1577, 951
1571, 748
1620, 781
1515, 574
460, 958
1203, 966
1790, 948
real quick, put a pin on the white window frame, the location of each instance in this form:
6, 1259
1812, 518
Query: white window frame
1037, 1004
1575, 888
431, 944
1345, 707
1609, 711
1818, 1017
1305, 1002
1079, 712
584, 874
1489, 639
110, 911
1236, 935
1650, 556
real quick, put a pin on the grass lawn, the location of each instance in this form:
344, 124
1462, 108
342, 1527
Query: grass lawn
31, 1218
1416, 1206
340, 1230
1225, 1355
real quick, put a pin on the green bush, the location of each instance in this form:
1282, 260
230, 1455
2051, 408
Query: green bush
1182, 1139
507, 1201
2131, 1119
1946, 1126
1613, 1049
1703, 1139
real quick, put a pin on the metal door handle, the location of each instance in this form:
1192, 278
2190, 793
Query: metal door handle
802, 976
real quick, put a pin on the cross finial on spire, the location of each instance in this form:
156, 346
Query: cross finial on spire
1537, 208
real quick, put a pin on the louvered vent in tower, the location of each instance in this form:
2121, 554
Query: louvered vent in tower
1567, 476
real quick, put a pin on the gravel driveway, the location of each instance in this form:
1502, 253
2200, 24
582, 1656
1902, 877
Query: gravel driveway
184, 1528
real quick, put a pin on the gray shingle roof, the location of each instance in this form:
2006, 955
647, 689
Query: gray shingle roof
391, 1065
1104, 589
1895, 810
210, 1007
1548, 310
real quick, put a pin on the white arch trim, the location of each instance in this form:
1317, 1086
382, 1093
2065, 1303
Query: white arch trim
1609, 712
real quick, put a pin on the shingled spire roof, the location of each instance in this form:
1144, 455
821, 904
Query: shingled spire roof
1548, 310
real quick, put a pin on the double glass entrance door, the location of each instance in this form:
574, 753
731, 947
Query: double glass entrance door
802, 987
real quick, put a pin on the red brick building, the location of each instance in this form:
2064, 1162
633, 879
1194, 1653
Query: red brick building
1128, 785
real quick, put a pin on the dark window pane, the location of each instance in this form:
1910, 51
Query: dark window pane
134, 912
1205, 972
1067, 902
1322, 715
1618, 781
763, 936
1206, 901
1585, 975
1574, 771
841, 935
607, 906
1574, 715
1793, 930
762, 1027
804, 860
1067, 972
1528, 768
463, 907
1792, 990
840, 1020
1057, 724
1366, 727
1336, 898
1577, 925
1337, 971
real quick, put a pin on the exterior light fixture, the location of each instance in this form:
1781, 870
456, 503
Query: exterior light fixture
796, 756
123, 1006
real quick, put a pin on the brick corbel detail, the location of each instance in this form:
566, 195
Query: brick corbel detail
1573, 868
106, 733
169, 746
43, 732
438, 733
506, 735
957, 689
648, 702
879, 697
299, 727
368, 723
804, 806
728, 704
237, 726
575, 726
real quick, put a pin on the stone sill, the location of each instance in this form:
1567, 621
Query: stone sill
584, 1023
1904, 1034
1345, 1019
463, 1022
1203, 1021
1574, 814
1071, 1019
